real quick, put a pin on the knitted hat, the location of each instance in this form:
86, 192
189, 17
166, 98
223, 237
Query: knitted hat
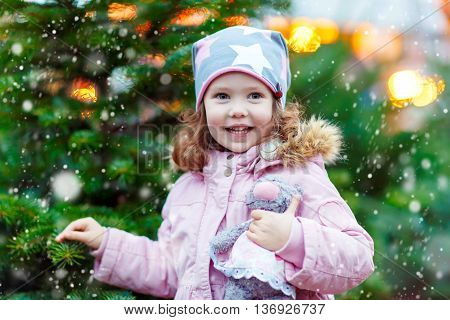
260, 53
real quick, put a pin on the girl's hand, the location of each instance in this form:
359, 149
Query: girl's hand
271, 230
85, 230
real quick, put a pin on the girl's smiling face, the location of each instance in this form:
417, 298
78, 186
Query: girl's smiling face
238, 111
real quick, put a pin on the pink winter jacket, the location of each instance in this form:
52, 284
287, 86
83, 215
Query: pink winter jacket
329, 251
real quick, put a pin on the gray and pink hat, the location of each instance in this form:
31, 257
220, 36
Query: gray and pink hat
260, 53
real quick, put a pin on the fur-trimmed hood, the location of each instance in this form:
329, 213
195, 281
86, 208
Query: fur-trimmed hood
315, 136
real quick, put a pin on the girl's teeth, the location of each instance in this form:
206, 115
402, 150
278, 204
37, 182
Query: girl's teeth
239, 129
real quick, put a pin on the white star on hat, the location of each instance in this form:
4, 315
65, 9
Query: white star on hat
251, 55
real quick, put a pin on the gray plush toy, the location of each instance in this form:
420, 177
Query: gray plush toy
254, 273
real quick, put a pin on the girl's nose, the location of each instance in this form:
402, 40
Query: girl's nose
238, 110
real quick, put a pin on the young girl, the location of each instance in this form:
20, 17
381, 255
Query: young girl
240, 131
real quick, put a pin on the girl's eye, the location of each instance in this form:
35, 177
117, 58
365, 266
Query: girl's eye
221, 94
255, 93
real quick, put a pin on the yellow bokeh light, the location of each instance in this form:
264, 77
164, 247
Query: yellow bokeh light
431, 89
410, 87
401, 103
304, 39
301, 22
327, 29
405, 84
369, 42
278, 23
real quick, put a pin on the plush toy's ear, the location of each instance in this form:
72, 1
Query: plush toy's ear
266, 191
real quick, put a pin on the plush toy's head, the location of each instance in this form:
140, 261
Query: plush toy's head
272, 194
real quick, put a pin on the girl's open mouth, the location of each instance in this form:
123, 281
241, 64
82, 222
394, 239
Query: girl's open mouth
239, 131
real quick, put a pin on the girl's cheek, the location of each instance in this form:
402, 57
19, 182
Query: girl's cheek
262, 118
216, 118
215, 122
213, 130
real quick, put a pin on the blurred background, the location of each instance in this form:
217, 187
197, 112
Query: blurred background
89, 96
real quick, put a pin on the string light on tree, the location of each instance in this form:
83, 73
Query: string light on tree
122, 12
403, 86
170, 106
192, 17
432, 87
86, 114
157, 60
304, 39
90, 14
83, 91
327, 30
410, 87
236, 21
143, 28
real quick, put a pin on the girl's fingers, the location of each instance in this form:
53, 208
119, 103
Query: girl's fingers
251, 236
75, 236
256, 214
79, 224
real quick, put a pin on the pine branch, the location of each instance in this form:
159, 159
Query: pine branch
63, 254
18, 212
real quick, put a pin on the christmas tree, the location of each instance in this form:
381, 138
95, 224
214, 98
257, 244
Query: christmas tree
90, 92
90, 95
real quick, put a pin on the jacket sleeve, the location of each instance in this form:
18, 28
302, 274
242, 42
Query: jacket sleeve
330, 252
136, 262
